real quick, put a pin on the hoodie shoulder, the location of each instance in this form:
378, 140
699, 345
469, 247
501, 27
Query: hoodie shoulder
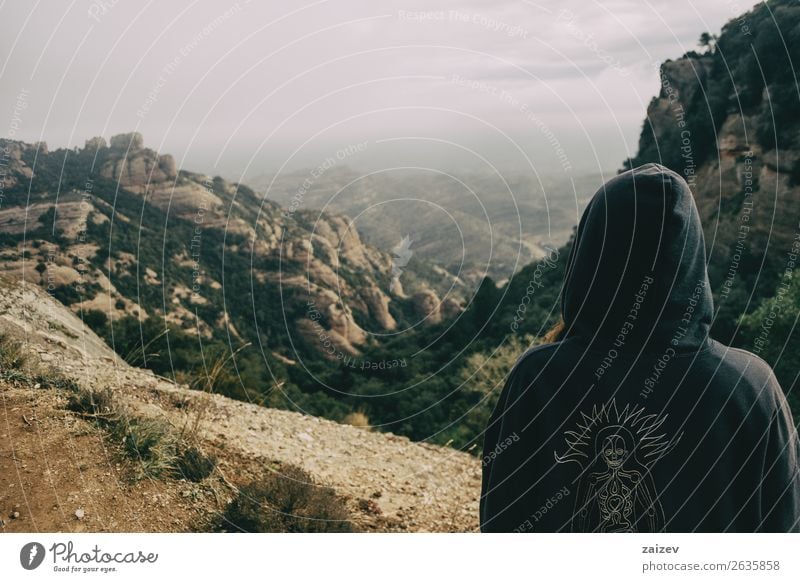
756, 367
531, 362
534, 354
757, 374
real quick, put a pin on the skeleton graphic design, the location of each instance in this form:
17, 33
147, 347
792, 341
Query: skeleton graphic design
616, 450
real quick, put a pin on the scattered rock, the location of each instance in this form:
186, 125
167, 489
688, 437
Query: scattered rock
80, 513
369, 506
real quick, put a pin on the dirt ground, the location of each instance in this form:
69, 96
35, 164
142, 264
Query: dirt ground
55, 467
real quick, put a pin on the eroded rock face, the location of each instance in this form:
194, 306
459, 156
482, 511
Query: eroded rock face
378, 304
16, 168
166, 164
450, 307
428, 306
328, 326
751, 183
743, 191
95, 143
132, 165
340, 249
70, 218
684, 77
680, 81
127, 141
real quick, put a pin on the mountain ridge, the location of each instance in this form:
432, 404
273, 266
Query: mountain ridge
136, 246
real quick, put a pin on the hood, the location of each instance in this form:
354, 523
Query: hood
636, 275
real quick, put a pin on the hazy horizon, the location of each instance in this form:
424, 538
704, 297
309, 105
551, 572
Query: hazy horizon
243, 90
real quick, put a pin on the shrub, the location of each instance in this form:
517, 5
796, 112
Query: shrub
771, 332
52, 378
67, 294
357, 419
287, 502
149, 441
158, 450
91, 402
12, 356
95, 319
194, 465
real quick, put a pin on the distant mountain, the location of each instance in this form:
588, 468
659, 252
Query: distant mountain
121, 236
472, 225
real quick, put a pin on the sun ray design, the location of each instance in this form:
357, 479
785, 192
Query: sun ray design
652, 444
616, 450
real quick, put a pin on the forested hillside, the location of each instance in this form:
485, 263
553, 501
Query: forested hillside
195, 277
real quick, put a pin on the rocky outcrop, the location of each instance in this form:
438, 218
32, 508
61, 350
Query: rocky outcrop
726, 119
431, 309
131, 164
131, 142
13, 167
740, 177
683, 78
428, 306
95, 143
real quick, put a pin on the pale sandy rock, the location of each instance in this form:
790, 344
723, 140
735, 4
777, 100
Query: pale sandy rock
127, 141
95, 143
151, 277
450, 307
166, 163
378, 305
70, 217
427, 306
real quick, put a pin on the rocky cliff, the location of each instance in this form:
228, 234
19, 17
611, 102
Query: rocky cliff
727, 120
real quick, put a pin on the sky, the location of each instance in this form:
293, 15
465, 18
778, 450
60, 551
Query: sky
249, 88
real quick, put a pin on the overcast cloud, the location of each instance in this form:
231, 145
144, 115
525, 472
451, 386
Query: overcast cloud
233, 87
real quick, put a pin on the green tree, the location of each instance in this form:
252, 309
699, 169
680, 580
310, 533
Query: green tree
707, 41
773, 334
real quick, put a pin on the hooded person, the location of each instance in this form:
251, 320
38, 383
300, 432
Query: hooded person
635, 415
